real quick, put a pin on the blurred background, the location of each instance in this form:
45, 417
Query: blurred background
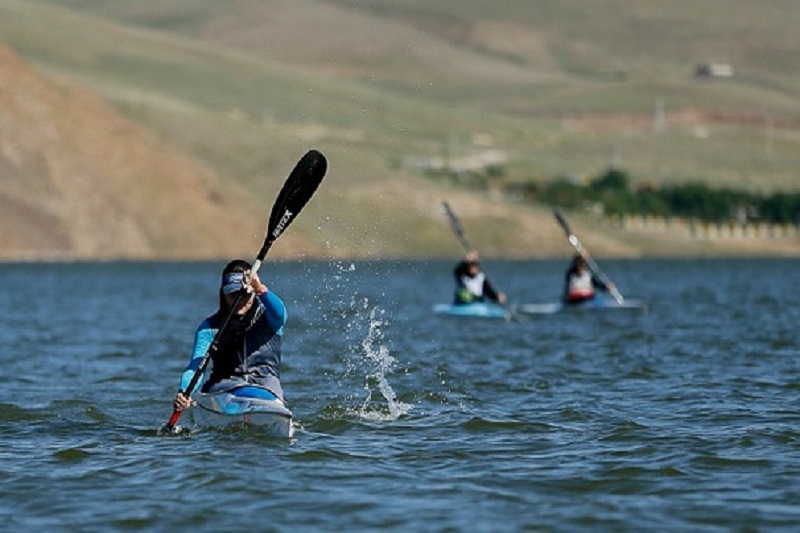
163, 130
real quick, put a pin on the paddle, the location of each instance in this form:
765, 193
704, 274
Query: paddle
293, 196
573, 240
458, 229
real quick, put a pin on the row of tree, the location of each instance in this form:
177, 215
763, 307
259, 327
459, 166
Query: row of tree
612, 191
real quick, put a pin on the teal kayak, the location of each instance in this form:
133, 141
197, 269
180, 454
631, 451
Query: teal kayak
478, 310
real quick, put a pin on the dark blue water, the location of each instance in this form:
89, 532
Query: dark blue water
686, 417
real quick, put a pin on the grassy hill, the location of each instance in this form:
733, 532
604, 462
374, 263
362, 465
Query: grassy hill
562, 88
81, 181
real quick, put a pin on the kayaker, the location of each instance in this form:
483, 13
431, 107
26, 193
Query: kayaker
580, 283
472, 285
250, 347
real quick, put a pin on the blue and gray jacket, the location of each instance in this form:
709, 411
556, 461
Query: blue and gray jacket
249, 351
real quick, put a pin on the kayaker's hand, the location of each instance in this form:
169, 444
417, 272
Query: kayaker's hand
256, 286
181, 402
501, 298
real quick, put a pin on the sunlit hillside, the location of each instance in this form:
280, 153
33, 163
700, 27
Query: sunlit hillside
81, 181
558, 88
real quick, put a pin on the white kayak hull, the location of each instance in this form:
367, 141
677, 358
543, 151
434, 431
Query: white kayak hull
229, 408
596, 304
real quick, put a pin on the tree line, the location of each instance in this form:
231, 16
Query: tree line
615, 195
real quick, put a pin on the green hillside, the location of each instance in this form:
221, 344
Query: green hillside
560, 88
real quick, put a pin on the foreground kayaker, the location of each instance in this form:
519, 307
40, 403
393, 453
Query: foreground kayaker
580, 283
472, 284
250, 348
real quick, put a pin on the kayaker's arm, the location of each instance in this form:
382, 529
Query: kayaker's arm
492, 293
202, 341
274, 311
460, 270
598, 284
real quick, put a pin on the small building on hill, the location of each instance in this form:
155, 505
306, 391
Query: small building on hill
713, 70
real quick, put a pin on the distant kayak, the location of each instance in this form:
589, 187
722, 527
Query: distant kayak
246, 405
595, 304
478, 310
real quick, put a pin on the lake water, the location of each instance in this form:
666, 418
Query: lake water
684, 417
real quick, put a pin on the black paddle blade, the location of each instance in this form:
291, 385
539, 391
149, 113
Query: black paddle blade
456, 226
562, 221
298, 189
454, 222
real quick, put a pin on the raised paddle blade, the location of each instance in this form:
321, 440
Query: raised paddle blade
456, 226
562, 221
298, 189
593, 266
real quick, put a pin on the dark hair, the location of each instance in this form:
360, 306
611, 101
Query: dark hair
237, 265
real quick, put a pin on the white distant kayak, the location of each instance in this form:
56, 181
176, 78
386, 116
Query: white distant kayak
538, 309
595, 304
249, 406
477, 310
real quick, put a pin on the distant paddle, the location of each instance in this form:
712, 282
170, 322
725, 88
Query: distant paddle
293, 196
573, 240
458, 229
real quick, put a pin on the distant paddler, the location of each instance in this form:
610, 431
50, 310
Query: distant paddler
580, 282
472, 284
583, 285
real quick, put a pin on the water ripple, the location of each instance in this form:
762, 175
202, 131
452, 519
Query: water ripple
685, 416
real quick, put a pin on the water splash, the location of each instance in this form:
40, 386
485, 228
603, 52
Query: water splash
379, 364
351, 318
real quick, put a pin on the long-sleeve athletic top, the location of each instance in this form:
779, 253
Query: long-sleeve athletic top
249, 350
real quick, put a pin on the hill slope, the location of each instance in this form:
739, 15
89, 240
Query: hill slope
79, 180
243, 88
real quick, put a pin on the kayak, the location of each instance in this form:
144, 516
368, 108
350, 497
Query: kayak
595, 304
477, 309
246, 405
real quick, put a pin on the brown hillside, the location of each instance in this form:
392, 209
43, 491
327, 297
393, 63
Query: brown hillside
205, 103
77, 180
